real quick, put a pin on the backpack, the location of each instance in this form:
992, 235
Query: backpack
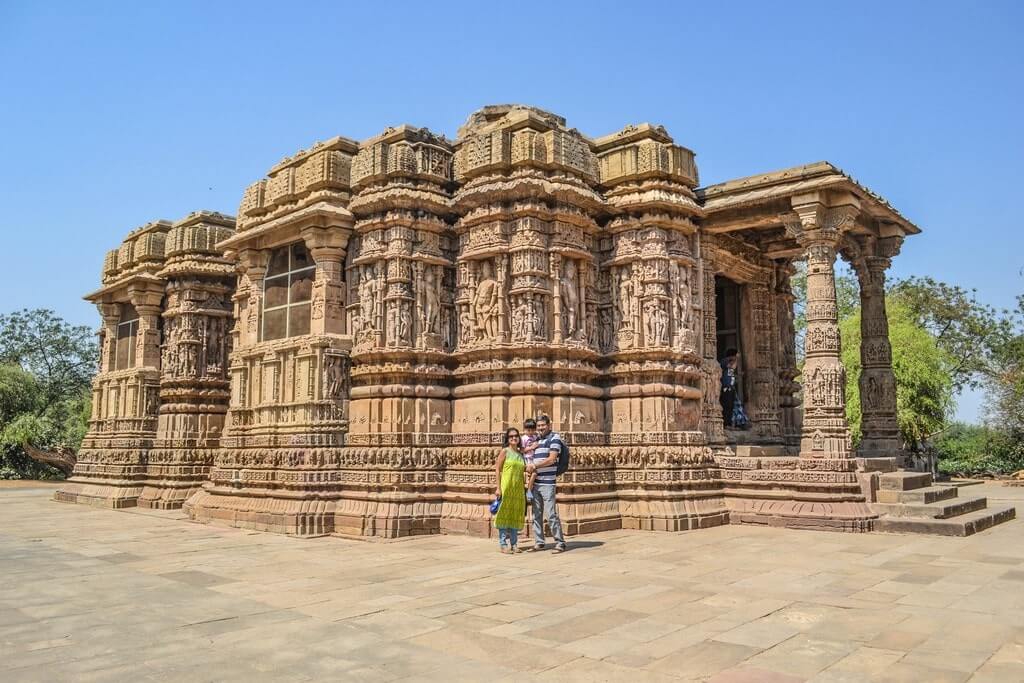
563, 459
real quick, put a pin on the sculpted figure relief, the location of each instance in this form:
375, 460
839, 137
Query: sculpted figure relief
485, 305
604, 328
570, 298
626, 300
366, 299
681, 300
657, 322
467, 326
334, 377
404, 323
534, 323
431, 301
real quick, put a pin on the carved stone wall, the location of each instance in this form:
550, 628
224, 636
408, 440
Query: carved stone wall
648, 255
111, 466
527, 218
194, 383
400, 275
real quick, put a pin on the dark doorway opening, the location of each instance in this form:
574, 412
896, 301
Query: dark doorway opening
727, 316
729, 320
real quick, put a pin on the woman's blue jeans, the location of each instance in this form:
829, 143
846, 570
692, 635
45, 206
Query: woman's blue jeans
508, 537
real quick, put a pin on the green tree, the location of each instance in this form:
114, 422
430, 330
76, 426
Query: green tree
1004, 404
964, 328
46, 366
970, 450
924, 384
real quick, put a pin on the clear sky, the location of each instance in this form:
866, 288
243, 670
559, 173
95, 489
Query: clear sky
115, 114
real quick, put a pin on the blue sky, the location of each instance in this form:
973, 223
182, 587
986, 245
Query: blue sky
114, 114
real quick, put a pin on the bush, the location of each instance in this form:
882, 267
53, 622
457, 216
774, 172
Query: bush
971, 450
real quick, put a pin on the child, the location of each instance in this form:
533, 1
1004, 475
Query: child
529, 444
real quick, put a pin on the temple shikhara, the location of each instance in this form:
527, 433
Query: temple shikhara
345, 355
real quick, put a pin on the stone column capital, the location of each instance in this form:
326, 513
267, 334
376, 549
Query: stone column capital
253, 262
146, 301
110, 312
815, 223
321, 238
889, 247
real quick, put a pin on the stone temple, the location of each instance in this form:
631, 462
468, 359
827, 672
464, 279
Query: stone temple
344, 356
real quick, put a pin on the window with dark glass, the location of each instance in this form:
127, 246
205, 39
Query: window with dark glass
287, 290
127, 336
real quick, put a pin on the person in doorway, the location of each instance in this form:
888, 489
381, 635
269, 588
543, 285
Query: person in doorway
508, 491
732, 407
545, 462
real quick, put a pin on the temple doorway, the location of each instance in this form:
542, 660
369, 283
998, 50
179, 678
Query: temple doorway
729, 325
727, 313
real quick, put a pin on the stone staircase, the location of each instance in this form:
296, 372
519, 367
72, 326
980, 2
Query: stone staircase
909, 502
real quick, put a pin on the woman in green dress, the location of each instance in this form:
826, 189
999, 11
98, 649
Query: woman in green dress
510, 488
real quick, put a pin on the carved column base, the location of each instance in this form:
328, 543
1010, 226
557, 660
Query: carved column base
824, 436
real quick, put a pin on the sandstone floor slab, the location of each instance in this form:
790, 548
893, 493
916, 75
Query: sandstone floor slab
99, 595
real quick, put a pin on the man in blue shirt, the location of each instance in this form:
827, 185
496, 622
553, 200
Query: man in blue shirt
545, 459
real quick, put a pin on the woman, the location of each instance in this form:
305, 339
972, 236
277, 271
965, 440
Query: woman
508, 472
732, 407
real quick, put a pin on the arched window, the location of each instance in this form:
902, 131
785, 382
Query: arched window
287, 290
127, 337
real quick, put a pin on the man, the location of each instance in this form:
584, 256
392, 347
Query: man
545, 460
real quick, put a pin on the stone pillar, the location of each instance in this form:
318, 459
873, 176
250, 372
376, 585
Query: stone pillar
825, 433
328, 302
147, 305
789, 402
556, 296
254, 264
765, 399
111, 315
711, 411
880, 431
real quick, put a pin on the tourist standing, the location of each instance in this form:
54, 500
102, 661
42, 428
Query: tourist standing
509, 490
545, 461
732, 407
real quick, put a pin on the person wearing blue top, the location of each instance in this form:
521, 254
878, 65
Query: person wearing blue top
732, 407
545, 462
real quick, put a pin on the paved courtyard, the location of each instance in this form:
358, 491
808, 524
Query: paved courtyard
89, 594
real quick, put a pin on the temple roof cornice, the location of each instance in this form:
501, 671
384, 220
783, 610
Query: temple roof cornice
764, 189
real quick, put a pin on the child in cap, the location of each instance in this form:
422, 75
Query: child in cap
529, 444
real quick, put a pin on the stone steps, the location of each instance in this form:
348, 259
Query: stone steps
904, 481
927, 494
940, 510
962, 525
908, 502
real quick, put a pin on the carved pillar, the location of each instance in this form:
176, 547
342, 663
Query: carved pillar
111, 314
147, 304
765, 401
254, 265
556, 296
879, 428
825, 433
789, 402
711, 371
328, 300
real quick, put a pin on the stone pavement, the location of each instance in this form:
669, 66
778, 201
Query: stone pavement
95, 595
